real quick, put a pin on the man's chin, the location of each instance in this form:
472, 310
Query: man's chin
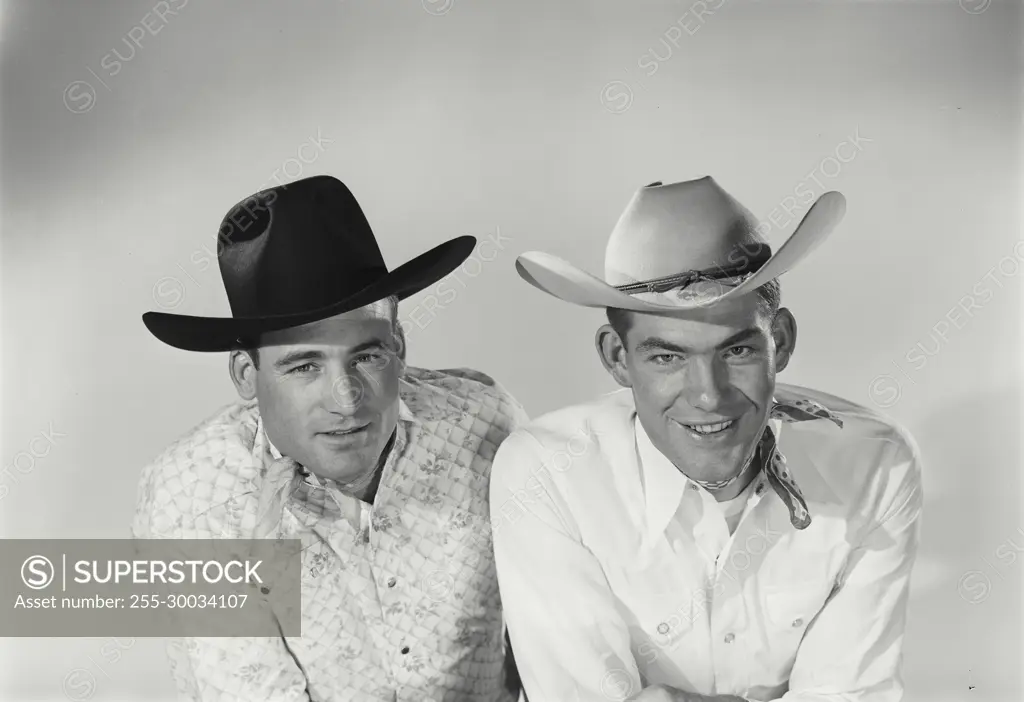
725, 458
355, 465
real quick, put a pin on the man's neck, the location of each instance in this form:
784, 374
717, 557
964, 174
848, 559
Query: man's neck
734, 490
369, 492
749, 472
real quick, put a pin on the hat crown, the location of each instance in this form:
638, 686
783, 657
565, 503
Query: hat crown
668, 229
296, 247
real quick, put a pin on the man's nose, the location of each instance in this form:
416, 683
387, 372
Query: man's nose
346, 393
706, 385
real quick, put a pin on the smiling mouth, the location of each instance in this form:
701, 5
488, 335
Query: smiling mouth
709, 429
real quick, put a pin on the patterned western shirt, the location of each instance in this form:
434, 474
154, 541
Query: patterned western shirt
399, 598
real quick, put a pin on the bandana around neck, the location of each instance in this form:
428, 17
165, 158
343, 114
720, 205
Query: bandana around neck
772, 462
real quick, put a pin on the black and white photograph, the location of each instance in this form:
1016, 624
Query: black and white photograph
492, 351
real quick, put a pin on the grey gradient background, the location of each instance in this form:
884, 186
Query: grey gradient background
536, 120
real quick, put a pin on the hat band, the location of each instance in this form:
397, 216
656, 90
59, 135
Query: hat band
749, 266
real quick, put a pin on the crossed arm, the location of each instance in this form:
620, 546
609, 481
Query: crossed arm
571, 644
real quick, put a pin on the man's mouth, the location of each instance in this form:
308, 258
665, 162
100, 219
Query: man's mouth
345, 432
709, 429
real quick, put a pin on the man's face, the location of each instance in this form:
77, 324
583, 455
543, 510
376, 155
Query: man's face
703, 382
328, 391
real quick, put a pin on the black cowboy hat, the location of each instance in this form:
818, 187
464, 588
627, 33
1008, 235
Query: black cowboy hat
296, 254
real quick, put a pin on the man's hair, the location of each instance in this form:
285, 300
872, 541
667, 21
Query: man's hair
769, 297
397, 332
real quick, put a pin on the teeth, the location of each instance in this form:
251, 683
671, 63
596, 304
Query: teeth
709, 428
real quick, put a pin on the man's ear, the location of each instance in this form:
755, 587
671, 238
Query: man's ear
612, 351
784, 334
243, 374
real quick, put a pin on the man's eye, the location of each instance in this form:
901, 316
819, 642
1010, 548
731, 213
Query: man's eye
374, 360
304, 368
663, 359
741, 351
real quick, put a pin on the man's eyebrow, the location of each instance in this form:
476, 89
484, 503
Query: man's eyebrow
653, 343
296, 356
656, 344
371, 344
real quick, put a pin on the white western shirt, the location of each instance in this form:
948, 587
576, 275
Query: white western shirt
617, 572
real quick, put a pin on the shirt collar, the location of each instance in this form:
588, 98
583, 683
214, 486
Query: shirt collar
405, 414
664, 485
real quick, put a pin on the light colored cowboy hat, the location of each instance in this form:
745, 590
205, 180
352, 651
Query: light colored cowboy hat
682, 246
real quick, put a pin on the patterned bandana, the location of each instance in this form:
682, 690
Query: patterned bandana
773, 463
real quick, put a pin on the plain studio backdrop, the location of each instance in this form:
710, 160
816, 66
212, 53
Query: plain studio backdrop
130, 128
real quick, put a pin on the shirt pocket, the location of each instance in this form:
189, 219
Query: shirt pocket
789, 609
661, 602
667, 618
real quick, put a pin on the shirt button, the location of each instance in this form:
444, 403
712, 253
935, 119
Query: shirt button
730, 637
405, 649
391, 582
663, 628
693, 486
759, 489
798, 622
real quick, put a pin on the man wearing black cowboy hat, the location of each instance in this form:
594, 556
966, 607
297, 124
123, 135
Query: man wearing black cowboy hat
380, 469
713, 535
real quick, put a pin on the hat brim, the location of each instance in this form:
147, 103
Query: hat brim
565, 281
209, 334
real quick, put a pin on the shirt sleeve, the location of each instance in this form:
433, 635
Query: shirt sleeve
216, 669
853, 650
509, 404
570, 643
239, 669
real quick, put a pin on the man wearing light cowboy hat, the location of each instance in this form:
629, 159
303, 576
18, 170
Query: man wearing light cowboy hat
713, 535
380, 469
